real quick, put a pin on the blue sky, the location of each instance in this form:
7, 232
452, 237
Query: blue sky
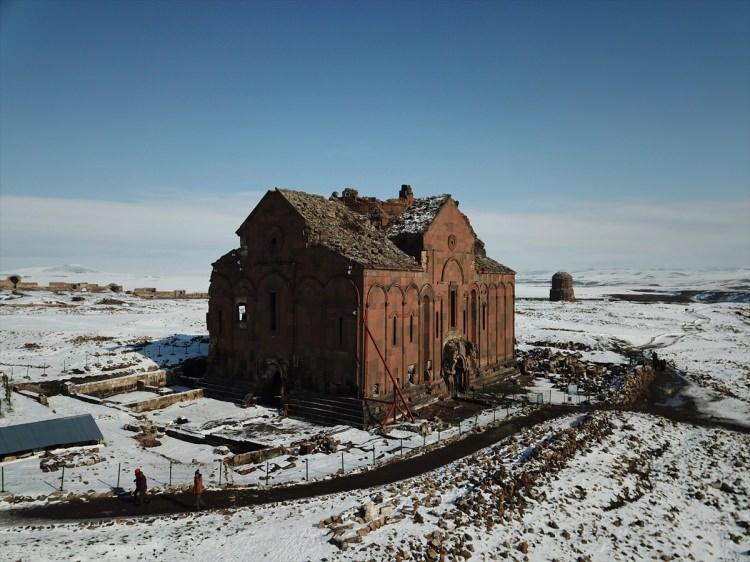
581, 115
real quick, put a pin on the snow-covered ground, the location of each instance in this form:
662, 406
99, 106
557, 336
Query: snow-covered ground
45, 336
44, 333
650, 490
694, 491
709, 342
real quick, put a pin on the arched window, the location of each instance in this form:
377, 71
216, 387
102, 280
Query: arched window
273, 312
453, 305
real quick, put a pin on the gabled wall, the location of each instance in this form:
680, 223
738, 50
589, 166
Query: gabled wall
420, 304
300, 326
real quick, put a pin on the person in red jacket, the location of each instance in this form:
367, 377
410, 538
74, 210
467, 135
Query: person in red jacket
198, 488
141, 487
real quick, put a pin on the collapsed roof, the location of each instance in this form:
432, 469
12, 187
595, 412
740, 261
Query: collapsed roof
376, 241
336, 227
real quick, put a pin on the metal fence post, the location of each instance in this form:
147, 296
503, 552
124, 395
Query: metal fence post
170, 473
62, 478
342, 462
373, 454
118, 475
2, 479
307, 472
402, 447
220, 472
267, 470
459, 429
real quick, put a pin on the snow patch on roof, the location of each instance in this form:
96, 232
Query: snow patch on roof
418, 217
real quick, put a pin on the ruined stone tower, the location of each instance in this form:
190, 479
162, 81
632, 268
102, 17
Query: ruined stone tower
562, 287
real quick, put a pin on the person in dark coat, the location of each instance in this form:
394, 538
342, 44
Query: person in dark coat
141, 486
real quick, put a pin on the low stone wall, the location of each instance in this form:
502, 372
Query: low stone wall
166, 400
257, 456
118, 385
152, 293
634, 387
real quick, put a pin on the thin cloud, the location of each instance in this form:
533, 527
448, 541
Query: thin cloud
691, 234
169, 234
177, 234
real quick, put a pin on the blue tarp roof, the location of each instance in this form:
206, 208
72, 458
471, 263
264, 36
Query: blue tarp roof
50, 433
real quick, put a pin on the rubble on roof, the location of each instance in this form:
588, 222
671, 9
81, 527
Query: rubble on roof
333, 225
418, 217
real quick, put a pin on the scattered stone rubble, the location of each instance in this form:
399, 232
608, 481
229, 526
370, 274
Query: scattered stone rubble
634, 385
494, 487
349, 528
52, 462
563, 369
147, 433
319, 443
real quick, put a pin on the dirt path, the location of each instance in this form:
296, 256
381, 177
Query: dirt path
666, 386
661, 341
108, 507
665, 399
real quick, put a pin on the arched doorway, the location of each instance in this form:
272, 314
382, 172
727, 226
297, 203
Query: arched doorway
460, 378
272, 376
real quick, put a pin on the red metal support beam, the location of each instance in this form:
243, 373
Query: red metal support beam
406, 411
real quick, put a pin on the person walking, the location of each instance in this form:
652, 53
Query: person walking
141, 486
198, 488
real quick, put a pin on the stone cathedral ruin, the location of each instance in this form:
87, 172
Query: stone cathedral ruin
352, 309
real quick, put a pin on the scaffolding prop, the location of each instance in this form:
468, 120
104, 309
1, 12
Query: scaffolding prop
403, 406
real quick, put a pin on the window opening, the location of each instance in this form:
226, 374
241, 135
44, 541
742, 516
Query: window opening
272, 309
453, 304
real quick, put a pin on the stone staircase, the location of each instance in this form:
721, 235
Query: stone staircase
327, 410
